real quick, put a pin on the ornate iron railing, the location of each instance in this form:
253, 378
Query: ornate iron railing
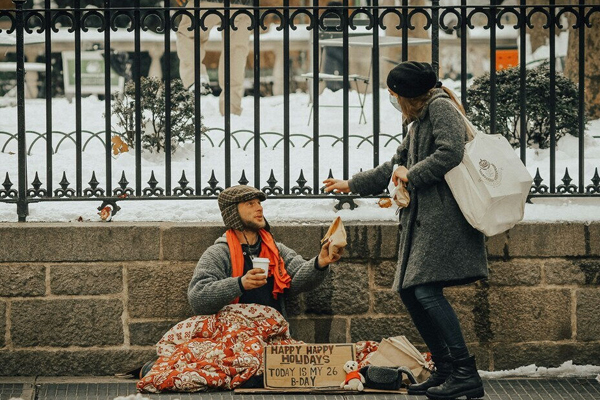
24, 24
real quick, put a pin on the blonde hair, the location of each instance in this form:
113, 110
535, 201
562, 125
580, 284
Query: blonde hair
411, 108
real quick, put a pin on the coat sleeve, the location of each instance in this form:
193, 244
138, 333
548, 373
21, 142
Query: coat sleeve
212, 286
449, 133
305, 276
375, 180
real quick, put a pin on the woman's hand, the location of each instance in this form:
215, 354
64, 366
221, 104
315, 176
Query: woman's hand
337, 185
400, 174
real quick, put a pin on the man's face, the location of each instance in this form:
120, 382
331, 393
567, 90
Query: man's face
251, 213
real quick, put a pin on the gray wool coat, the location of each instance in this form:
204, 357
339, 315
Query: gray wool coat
437, 244
212, 287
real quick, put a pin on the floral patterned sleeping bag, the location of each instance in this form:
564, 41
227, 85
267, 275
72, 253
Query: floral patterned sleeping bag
221, 351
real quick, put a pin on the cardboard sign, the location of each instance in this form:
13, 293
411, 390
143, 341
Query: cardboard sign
306, 365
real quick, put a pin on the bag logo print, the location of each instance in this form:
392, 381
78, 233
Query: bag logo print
491, 175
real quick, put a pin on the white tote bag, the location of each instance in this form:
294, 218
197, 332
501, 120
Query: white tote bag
491, 184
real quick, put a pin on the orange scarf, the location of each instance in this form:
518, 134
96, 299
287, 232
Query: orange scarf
352, 375
269, 250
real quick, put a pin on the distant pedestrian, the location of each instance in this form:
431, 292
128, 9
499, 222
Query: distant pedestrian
438, 247
238, 51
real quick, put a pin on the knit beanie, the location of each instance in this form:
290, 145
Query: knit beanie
230, 198
411, 79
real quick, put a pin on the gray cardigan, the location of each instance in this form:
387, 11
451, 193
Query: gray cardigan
212, 286
437, 244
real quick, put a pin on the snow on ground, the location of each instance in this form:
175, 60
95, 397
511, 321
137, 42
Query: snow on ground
242, 156
565, 370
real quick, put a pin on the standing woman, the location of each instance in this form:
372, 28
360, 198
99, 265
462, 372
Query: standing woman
438, 247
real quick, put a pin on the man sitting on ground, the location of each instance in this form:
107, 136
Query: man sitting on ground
224, 273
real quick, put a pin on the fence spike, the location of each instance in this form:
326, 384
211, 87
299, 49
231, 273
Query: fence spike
36, 182
152, 182
183, 182
123, 182
64, 183
243, 180
7, 183
595, 186
93, 182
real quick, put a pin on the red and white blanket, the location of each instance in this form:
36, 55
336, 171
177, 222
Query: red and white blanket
221, 351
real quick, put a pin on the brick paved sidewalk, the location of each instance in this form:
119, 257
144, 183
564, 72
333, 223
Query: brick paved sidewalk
98, 388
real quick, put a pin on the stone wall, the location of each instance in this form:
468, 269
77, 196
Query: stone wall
89, 298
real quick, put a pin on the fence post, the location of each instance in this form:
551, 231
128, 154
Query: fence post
22, 205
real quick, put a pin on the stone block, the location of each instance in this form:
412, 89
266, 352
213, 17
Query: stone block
515, 272
527, 315
590, 269
2, 324
497, 245
86, 279
368, 328
384, 273
159, 290
294, 305
187, 242
387, 302
472, 307
547, 240
345, 291
303, 239
85, 241
563, 272
372, 241
547, 354
148, 333
72, 362
588, 314
483, 355
593, 238
319, 330
22, 280
63, 323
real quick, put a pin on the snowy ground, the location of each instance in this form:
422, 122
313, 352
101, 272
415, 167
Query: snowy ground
301, 210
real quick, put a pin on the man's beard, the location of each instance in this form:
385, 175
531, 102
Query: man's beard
254, 226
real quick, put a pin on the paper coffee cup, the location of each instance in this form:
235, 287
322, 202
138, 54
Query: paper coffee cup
262, 263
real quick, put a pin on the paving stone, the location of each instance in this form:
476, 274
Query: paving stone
22, 280
547, 240
148, 333
546, 354
368, 328
84, 241
319, 330
345, 291
515, 272
62, 323
2, 323
588, 311
86, 279
72, 362
384, 273
519, 315
187, 242
303, 239
159, 290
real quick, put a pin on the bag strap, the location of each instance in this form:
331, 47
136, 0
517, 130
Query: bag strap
471, 130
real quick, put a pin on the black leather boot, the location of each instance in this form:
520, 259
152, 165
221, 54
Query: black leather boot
463, 381
443, 369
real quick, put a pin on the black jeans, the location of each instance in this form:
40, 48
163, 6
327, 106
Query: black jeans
435, 320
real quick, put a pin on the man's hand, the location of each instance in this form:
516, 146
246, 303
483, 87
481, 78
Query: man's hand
400, 174
254, 278
337, 185
324, 259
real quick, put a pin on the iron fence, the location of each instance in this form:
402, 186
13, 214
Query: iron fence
42, 24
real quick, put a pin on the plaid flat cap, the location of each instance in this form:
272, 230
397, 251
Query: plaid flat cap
230, 198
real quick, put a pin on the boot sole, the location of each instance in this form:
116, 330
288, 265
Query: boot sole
476, 393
